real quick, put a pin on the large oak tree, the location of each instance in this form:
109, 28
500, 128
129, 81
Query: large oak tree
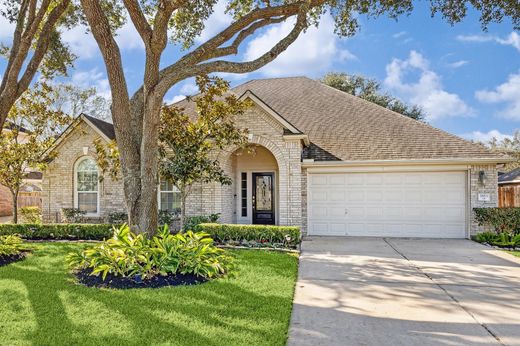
36, 45
178, 22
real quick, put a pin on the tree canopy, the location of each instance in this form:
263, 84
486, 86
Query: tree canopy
508, 146
370, 89
33, 125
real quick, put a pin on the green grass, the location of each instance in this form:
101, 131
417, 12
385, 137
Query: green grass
514, 253
41, 305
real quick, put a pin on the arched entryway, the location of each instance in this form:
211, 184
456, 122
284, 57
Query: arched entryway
256, 176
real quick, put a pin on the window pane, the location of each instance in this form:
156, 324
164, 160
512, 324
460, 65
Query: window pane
87, 165
87, 181
170, 201
87, 202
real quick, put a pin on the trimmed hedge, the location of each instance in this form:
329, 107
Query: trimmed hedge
253, 235
59, 231
499, 219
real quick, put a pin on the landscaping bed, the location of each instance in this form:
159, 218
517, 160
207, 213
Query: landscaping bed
39, 297
8, 259
86, 278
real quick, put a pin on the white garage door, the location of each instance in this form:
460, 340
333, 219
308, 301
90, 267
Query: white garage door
411, 204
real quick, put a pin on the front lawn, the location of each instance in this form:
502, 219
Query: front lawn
40, 305
514, 253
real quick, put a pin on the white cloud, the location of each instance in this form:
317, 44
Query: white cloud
174, 99
427, 91
92, 78
6, 28
399, 34
313, 53
458, 64
508, 93
485, 137
217, 22
83, 44
189, 88
512, 40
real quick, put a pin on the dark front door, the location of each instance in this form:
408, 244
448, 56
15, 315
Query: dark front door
263, 199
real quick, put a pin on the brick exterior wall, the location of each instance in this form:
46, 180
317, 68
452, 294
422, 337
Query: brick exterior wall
490, 186
265, 131
58, 179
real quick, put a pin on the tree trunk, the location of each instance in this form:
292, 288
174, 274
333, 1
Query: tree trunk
14, 195
183, 208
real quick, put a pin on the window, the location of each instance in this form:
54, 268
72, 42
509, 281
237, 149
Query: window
243, 194
169, 197
87, 184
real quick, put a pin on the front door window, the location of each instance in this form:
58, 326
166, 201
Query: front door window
263, 202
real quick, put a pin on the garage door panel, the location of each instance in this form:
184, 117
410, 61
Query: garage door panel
406, 204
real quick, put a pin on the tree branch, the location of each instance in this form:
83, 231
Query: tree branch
139, 20
170, 77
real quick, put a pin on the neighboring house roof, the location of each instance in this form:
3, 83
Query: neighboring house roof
510, 177
34, 175
344, 127
105, 127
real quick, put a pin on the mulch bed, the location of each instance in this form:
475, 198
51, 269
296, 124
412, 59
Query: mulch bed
5, 260
112, 281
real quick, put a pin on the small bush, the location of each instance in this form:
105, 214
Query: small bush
192, 222
58, 231
167, 217
503, 239
133, 255
10, 245
253, 235
30, 215
73, 215
117, 218
499, 219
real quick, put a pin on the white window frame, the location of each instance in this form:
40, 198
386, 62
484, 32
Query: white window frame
98, 192
159, 191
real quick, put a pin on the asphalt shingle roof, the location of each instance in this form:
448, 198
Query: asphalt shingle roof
510, 176
103, 126
341, 126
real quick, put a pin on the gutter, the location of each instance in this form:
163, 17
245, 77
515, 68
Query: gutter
311, 163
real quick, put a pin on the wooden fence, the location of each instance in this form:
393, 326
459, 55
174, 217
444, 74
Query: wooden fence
30, 199
509, 195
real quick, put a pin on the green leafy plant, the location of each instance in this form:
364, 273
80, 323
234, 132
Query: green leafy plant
192, 222
127, 254
167, 217
61, 231
253, 235
73, 215
10, 245
499, 239
499, 219
117, 217
31, 215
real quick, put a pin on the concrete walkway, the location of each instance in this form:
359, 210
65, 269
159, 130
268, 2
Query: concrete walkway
373, 291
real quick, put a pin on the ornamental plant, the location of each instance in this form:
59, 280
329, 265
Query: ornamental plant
10, 245
127, 254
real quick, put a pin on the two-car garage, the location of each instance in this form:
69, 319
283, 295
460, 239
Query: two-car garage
388, 204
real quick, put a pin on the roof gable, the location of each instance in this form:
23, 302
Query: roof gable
344, 127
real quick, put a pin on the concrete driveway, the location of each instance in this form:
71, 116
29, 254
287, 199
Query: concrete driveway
374, 291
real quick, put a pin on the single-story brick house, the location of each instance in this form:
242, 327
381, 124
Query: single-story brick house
327, 161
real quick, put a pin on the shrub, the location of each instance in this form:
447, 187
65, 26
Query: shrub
73, 215
168, 217
128, 255
499, 219
499, 239
10, 245
117, 218
192, 222
31, 215
58, 231
253, 235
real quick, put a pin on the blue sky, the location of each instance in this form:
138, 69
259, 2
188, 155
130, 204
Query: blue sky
467, 80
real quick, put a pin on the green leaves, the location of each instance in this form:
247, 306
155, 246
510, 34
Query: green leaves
500, 239
10, 245
127, 254
499, 219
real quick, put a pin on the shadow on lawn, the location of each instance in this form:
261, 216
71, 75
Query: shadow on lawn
226, 311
